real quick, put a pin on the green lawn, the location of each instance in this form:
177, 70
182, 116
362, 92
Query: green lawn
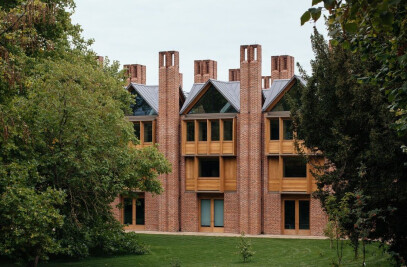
221, 251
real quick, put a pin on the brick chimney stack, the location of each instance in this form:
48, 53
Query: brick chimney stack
136, 73
282, 67
99, 59
168, 137
234, 75
250, 118
265, 82
205, 70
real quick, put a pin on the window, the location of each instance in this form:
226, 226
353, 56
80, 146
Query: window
203, 131
148, 132
294, 94
294, 167
211, 213
133, 211
141, 107
136, 126
228, 130
289, 214
190, 131
274, 129
209, 167
215, 130
288, 129
212, 102
296, 215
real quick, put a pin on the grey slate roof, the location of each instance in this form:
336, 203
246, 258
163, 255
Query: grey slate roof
230, 90
277, 87
148, 92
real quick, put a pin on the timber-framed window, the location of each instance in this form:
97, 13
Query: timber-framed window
133, 212
144, 131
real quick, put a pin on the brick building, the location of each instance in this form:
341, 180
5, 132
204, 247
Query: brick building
230, 143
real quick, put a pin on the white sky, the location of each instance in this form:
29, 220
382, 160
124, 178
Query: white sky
134, 31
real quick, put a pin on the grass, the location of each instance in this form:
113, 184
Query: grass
167, 250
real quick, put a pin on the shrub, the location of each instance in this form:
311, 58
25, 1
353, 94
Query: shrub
245, 248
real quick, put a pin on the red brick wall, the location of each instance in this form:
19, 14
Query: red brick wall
168, 139
115, 210
318, 217
231, 214
249, 139
272, 213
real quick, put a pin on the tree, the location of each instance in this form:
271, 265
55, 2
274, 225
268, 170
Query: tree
65, 145
348, 121
375, 29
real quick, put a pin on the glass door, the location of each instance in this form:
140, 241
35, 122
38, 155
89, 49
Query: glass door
296, 217
211, 217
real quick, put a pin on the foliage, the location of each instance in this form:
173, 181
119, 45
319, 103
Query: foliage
245, 248
65, 145
330, 232
375, 29
28, 218
349, 123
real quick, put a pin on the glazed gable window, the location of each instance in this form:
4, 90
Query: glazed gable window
212, 102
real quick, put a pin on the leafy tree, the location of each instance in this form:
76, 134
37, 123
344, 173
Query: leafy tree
65, 145
375, 29
349, 122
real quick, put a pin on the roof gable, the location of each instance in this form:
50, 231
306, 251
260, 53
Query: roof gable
148, 92
229, 90
278, 89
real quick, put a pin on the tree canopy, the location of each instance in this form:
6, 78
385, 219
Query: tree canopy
349, 122
65, 150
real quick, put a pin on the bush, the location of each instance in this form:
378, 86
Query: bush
245, 248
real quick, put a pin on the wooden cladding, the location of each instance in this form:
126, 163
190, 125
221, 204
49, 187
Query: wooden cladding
279, 136
225, 182
209, 136
279, 183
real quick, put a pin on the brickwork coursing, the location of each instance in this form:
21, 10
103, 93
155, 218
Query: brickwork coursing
252, 208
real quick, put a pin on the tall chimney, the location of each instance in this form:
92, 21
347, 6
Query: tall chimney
282, 67
234, 75
168, 137
249, 136
136, 73
265, 82
205, 70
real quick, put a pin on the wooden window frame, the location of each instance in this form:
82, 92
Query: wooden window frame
212, 228
133, 226
301, 177
296, 231
142, 143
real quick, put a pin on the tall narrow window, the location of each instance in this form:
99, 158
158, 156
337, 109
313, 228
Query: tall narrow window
128, 211
289, 214
148, 132
136, 126
294, 167
215, 130
304, 214
140, 211
218, 212
274, 129
205, 212
190, 131
288, 129
228, 130
209, 167
203, 131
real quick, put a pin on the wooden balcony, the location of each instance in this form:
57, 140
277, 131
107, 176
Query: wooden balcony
225, 182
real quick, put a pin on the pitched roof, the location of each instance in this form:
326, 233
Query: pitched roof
277, 87
229, 90
148, 92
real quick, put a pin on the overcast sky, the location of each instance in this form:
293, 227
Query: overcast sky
134, 31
